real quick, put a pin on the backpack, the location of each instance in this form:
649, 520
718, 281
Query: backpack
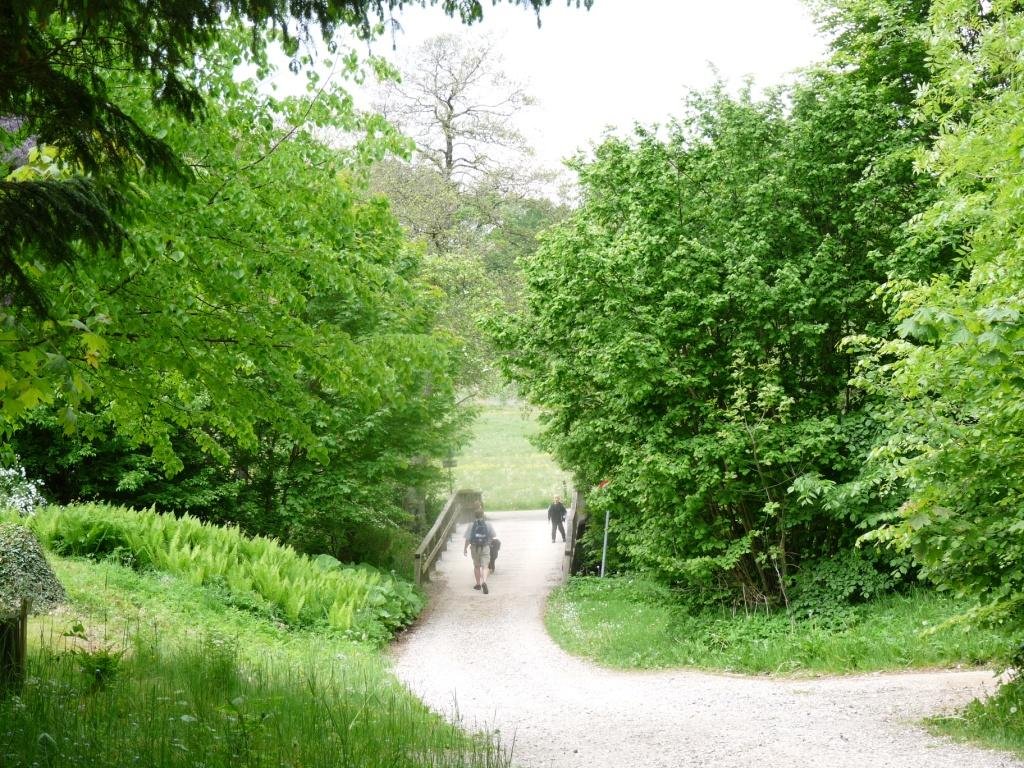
478, 534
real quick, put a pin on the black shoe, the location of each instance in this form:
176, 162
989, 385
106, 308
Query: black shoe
476, 586
484, 587
491, 570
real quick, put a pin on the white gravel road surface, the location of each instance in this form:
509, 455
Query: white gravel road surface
487, 661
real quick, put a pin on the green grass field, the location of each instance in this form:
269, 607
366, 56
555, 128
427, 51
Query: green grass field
148, 669
501, 462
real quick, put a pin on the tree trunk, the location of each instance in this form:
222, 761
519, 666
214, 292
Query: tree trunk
13, 648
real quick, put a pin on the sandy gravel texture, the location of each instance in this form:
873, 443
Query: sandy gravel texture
488, 661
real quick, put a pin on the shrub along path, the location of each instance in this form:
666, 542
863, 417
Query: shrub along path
488, 660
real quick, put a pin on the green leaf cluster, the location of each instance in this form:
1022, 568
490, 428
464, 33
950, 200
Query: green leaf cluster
828, 588
952, 371
267, 323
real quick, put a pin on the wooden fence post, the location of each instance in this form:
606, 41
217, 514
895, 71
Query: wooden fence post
14, 647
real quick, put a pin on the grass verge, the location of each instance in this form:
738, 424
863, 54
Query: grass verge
631, 623
501, 462
145, 668
997, 722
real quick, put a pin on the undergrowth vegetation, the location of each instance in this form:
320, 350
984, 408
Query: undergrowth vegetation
995, 722
147, 668
254, 573
633, 623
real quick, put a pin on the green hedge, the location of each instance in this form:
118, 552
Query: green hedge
254, 572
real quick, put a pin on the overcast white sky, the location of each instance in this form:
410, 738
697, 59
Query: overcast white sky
626, 61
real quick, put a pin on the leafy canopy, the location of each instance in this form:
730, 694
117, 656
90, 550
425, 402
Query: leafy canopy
85, 144
272, 338
682, 327
953, 370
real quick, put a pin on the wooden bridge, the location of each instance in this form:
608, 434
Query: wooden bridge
459, 509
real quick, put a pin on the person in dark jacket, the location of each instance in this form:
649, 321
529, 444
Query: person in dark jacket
556, 514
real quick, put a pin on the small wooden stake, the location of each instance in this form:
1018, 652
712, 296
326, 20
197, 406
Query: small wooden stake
14, 648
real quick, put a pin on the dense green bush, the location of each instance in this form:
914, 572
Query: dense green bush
712, 270
24, 573
952, 372
256, 572
829, 587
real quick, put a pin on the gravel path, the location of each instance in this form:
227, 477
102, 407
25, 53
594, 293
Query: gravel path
487, 660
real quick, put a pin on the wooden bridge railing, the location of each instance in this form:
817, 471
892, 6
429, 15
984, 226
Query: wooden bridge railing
577, 517
458, 509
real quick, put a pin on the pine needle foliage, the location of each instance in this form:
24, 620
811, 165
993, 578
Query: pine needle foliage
50, 215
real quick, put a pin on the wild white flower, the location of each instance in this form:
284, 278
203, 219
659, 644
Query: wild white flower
18, 492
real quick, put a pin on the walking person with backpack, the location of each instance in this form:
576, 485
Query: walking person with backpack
479, 535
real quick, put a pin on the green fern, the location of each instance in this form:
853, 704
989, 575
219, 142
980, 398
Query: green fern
257, 571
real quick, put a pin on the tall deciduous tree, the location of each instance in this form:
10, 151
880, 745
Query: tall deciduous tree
269, 315
54, 61
469, 193
458, 104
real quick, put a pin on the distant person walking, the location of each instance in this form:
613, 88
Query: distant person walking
479, 535
556, 514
